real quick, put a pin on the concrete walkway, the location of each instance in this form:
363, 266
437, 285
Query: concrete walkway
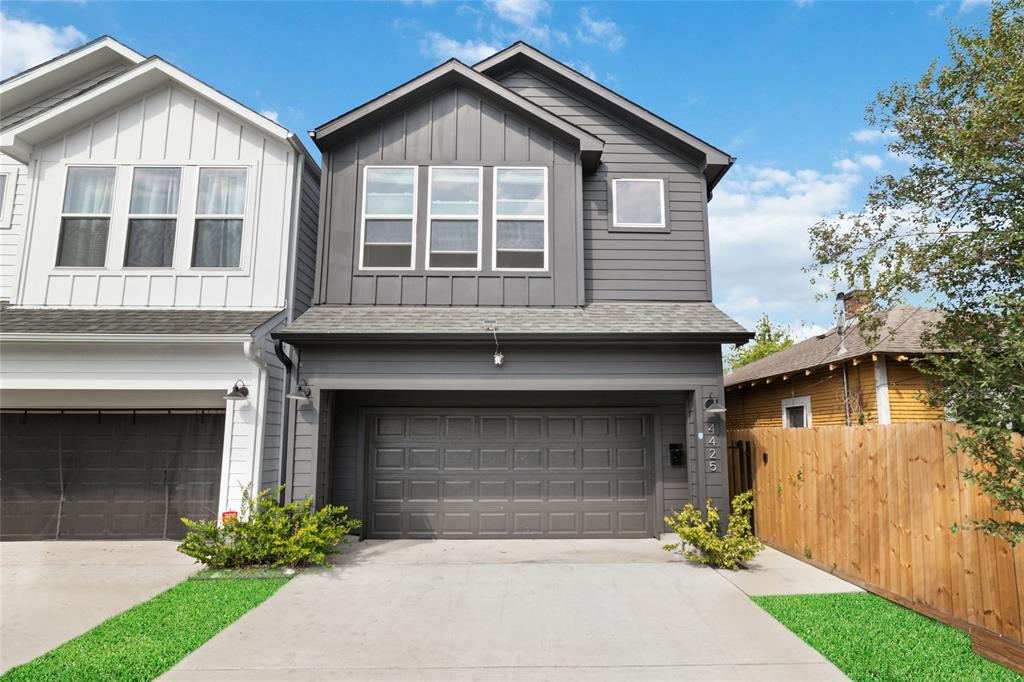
773, 572
507, 610
53, 591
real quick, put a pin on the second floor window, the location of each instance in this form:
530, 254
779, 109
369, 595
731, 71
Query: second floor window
520, 218
389, 217
454, 224
638, 203
152, 217
220, 212
85, 216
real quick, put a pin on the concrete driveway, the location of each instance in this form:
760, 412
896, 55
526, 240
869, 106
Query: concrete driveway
507, 610
53, 591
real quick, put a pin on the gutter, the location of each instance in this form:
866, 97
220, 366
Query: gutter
295, 338
126, 338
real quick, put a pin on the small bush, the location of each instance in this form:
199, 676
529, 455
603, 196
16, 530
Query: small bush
738, 544
268, 533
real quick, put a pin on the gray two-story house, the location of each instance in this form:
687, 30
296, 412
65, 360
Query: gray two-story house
513, 333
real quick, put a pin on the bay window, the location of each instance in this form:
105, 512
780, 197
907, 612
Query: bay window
454, 217
85, 216
520, 218
152, 217
389, 217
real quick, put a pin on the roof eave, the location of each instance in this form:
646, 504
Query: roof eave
533, 337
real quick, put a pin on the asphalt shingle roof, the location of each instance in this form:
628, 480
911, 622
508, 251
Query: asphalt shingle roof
42, 321
70, 91
900, 333
641, 318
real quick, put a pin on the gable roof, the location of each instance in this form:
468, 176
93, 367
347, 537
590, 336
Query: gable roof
449, 73
522, 55
630, 321
82, 100
901, 330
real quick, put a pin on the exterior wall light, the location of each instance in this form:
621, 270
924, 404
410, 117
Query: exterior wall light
499, 358
712, 406
301, 393
238, 392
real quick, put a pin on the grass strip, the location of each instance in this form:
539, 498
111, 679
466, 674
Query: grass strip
870, 638
150, 638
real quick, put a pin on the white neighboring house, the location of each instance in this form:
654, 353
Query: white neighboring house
149, 238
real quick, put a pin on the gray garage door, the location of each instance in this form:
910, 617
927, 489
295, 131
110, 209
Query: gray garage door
107, 475
460, 473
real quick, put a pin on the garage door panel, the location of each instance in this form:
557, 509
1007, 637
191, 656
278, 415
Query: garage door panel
124, 475
470, 474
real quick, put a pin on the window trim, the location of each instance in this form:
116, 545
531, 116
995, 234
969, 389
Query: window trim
390, 216
663, 226
803, 401
427, 250
495, 217
109, 217
161, 216
7, 202
196, 216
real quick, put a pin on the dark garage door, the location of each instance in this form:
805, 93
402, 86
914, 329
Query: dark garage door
107, 475
460, 473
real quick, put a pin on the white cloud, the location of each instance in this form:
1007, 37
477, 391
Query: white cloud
469, 51
968, 5
869, 136
526, 16
872, 161
583, 68
269, 113
592, 30
845, 165
26, 43
759, 220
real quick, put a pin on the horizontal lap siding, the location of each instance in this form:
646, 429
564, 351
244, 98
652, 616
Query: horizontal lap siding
454, 126
305, 250
632, 265
907, 388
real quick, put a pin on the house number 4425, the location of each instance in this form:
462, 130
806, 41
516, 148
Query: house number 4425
711, 446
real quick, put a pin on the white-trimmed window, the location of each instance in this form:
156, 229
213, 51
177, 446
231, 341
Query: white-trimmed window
85, 216
152, 217
389, 218
796, 412
520, 219
454, 200
220, 215
638, 203
8, 181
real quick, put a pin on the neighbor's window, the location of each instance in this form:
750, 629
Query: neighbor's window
220, 212
152, 217
85, 219
3, 197
454, 220
796, 412
638, 202
389, 217
520, 218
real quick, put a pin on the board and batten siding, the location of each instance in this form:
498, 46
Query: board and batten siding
456, 126
632, 265
12, 224
168, 126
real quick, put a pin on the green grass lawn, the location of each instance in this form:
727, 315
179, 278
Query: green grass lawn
150, 638
869, 638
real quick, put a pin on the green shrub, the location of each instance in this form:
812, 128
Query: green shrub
268, 533
738, 544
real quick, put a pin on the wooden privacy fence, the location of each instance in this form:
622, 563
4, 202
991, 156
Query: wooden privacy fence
874, 504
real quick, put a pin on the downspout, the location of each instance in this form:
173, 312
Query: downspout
252, 353
282, 465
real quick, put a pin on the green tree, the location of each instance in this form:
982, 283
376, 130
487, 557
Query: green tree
951, 229
768, 338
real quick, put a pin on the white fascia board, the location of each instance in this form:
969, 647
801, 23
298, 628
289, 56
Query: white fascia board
127, 338
142, 77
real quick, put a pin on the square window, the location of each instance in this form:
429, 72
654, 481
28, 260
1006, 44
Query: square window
638, 202
796, 412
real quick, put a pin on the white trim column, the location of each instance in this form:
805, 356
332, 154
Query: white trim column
882, 391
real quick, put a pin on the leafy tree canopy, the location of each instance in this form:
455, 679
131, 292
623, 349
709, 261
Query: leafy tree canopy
951, 228
768, 338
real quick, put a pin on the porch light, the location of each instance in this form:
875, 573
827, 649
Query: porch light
238, 392
712, 406
302, 392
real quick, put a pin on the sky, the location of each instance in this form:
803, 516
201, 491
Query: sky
782, 86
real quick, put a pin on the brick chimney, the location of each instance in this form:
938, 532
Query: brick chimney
854, 302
